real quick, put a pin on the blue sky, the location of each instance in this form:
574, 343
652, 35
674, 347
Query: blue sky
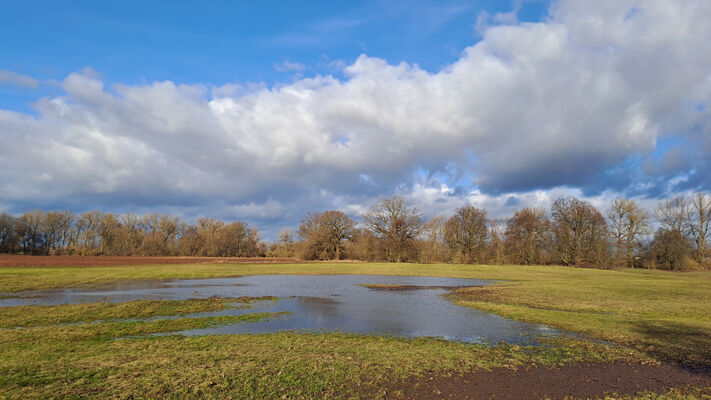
229, 42
262, 111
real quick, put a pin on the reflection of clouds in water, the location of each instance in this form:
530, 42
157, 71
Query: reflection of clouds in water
323, 303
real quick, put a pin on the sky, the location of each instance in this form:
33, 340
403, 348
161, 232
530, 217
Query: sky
263, 111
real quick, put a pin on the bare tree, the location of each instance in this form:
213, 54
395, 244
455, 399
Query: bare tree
497, 253
66, 230
109, 234
432, 246
209, 231
629, 222
9, 238
58, 229
365, 245
466, 234
31, 233
393, 220
670, 250
285, 244
580, 232
149, 223
698, 221
325, 234
88, 231
528, 236
672, 214
191, 242
167, 230
134, 233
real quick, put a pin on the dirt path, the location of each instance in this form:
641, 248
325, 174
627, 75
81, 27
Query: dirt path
586, 380
9, 260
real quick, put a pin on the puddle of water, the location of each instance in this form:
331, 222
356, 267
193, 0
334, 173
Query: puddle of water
323, 304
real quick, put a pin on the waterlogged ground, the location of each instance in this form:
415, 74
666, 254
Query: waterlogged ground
383, 305
103, 346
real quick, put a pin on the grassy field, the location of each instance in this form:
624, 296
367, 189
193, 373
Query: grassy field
48, 351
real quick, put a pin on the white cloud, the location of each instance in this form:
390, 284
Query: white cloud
530, 110
14, 78
484, 20
289, 66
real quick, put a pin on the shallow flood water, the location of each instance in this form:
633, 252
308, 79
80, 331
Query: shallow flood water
322, 304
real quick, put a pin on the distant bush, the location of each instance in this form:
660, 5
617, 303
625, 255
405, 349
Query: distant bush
670, 250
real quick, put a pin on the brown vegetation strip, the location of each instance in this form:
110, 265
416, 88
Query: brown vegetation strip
404, 288
9, 260
585, 380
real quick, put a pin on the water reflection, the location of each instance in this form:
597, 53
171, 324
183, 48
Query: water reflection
323, 304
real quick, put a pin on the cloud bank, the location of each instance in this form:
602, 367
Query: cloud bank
600, 99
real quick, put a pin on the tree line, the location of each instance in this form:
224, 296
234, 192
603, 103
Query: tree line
98, 233
573, 232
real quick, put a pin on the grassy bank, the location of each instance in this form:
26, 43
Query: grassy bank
665, 315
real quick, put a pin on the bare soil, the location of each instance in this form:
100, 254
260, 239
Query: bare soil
406, 288
584, 380
11, 260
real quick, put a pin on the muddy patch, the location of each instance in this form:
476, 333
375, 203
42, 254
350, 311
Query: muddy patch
584, 380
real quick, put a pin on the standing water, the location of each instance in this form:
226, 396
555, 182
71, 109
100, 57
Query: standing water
332, 303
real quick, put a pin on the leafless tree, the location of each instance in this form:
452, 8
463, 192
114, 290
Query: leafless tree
134, 233
167, 229
432, 246
285, 244
698, 222
365, 245
673, 214
31, 233
58, 229
466, 234
580, 232
528, 237
109, 234
393, 220
9, 238
88, 231
629, 222
670, 250
325, 234
209, 229
497, 253
191, 242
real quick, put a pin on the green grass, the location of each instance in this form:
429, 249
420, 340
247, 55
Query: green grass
663, 315
26, 316
87, 361
661, 312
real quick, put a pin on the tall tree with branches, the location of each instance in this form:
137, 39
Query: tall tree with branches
396, 222
629, 222
466, 233
325, 234
580, 232
528, 236
698, 221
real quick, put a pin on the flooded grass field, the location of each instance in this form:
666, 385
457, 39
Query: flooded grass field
408, 306
310, 331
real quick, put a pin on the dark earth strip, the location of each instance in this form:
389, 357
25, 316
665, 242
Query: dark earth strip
9, 260
399, 288
585, 380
